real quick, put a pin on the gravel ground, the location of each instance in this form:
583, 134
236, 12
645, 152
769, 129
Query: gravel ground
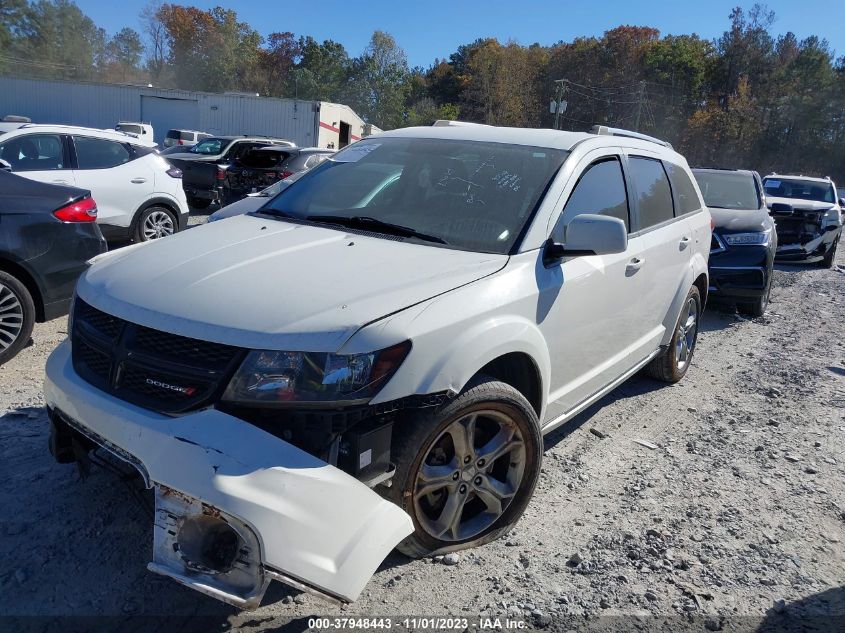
733, 518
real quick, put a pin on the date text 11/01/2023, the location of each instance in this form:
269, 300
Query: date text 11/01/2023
416, 623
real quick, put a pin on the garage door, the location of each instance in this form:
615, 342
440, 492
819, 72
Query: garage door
165, 114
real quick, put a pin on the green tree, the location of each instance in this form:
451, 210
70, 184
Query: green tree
321, 72
377, 82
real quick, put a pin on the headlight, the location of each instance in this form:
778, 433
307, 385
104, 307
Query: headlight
746, 239
271, 378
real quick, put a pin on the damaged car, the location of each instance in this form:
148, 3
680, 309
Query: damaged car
742, 250
808, 217
370, 360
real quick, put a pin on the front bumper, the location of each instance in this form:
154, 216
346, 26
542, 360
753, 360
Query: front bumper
298, 519
810, 251
740, 272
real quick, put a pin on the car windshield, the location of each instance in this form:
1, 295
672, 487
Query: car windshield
800, 189
128, 127
728, 190
469, 195
210, 146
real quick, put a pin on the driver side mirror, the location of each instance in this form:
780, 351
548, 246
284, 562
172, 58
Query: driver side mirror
590, 234
5, 166
842, 203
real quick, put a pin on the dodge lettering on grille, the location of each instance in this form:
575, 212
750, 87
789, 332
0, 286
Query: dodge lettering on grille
163, 385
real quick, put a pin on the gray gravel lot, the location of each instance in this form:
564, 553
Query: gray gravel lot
737, 515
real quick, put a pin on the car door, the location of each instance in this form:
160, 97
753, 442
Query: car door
39, 156
591, 306
668, 238
118, 178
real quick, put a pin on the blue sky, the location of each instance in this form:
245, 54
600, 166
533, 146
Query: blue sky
429, 29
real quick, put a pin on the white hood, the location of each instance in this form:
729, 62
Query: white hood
268, 284
799, 204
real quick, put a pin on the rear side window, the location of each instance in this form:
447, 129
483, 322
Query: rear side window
600, 190
99, 153
187, 136
34, 152
174, 134
686, 199
654, 195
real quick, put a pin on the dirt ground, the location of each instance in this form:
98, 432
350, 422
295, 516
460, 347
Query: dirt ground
735, 521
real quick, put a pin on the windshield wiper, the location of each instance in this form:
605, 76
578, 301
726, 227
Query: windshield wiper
373, 224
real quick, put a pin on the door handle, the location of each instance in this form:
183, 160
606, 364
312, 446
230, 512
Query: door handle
138, 181
635, 264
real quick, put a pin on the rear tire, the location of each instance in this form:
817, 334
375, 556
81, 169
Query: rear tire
672, 365
17, 316
154, 223
438, 476
199, 203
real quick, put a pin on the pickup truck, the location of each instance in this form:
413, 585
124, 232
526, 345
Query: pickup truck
204, 165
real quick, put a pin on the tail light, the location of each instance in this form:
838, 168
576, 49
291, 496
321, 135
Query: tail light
285, 174
180, 142
174, 172
84, 210
221, 173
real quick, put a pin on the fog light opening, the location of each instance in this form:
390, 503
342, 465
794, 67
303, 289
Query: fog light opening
208, 543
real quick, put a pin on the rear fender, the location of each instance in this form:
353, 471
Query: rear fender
697, 266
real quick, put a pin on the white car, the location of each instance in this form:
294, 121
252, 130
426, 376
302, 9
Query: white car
188, 138
139, 194
308, 387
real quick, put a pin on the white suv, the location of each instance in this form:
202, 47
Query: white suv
139, 194
371, 359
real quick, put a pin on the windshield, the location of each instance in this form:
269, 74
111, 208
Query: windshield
728, 190
128, 127
470, 195
210, 146
801, 189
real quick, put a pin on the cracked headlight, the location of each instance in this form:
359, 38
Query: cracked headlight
746, 239
272, 378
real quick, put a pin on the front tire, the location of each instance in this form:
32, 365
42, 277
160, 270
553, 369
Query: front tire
465, 473
17, 316
673, 364
756, 308
827, 262
154, 223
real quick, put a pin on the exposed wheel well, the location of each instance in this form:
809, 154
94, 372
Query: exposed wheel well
20, 273
701, 284
520, 372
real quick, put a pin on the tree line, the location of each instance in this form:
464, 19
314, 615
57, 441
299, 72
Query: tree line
746, 99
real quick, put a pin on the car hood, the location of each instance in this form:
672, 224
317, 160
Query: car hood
268, 284
801, 205
750, 220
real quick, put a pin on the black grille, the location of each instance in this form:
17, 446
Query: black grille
152, 369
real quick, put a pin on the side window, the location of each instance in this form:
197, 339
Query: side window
600, 190
686, 199
34, 152
99, 153
653, 191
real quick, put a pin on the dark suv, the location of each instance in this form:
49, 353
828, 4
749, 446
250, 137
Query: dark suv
742, 249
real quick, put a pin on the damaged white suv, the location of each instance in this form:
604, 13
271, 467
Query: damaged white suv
371, 360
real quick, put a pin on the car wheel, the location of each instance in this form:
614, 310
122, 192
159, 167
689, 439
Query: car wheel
199, 203
673, 364
155, 223
758, 307
465, 473
17, 316
827, 262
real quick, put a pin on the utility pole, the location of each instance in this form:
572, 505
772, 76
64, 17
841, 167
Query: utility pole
640, 100
560, 91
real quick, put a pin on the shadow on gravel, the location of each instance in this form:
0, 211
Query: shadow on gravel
820, 612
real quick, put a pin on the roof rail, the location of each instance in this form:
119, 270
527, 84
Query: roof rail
450, 123
615, 131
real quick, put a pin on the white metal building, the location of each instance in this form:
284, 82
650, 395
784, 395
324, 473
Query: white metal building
307, 123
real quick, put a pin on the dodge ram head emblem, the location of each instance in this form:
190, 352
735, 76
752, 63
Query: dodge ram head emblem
188, 391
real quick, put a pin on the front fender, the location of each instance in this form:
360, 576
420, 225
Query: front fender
448, 365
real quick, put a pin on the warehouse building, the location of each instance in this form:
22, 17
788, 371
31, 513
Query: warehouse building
307, 123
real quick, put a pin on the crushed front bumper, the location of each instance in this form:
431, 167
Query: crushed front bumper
279, 512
